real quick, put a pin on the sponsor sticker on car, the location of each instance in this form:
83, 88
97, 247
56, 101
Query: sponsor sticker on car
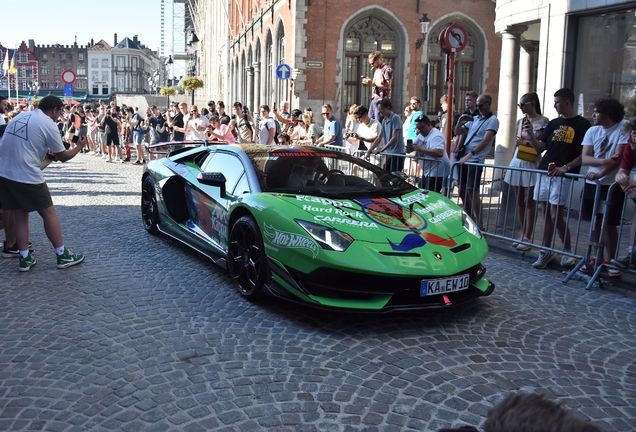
444, 285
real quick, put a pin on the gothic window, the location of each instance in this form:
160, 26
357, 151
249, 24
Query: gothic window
362, 38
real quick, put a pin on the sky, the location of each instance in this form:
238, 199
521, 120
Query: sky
86, 20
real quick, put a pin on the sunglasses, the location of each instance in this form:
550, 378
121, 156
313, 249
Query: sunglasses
325, 113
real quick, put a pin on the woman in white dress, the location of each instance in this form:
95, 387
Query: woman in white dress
523, 182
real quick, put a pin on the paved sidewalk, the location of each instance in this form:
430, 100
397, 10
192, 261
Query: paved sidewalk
148, 335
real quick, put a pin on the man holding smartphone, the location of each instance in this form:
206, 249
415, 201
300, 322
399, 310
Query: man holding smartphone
27, 139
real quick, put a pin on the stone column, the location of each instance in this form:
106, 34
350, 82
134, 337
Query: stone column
527, 62
507, 109
249, 97
258, 89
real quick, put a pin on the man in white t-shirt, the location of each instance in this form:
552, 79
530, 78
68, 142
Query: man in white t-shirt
368, 129
431, 144
603, 146
27, 141
196, 125
266, 127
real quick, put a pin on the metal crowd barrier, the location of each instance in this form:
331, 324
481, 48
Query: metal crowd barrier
621, 246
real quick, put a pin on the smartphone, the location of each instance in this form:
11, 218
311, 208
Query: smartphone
274, 105
75, 139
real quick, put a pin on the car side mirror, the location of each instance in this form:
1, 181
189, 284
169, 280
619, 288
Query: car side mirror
216, 179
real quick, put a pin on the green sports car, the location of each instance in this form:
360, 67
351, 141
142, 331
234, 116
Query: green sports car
316, 226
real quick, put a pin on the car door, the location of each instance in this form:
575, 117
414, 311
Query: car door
208, 210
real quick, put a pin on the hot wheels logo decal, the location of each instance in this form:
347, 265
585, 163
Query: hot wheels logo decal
290, 240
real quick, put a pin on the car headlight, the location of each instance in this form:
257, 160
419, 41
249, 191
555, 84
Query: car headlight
470, 225
328, 238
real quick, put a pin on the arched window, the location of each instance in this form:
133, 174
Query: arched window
269, 76
280, 52
467, 71
362, 38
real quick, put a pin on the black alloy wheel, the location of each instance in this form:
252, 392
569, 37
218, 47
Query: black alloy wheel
247, 262
149, 211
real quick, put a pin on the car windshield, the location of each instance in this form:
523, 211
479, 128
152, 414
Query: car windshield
313, 171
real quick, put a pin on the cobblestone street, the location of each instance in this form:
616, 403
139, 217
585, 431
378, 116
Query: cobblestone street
149, 335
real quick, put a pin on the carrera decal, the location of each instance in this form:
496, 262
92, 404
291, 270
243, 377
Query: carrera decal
390, 215
290, 240
345, 221
408, 243
442, 216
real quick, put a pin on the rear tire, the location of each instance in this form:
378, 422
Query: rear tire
247, 261
149, 211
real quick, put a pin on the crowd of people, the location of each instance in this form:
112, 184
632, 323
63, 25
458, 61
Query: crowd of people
551, 148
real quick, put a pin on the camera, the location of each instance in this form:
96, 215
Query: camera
349, 134
409, 146
75, 139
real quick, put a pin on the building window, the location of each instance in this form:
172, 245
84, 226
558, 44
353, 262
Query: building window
95, 90
81, 70
95, 63
62, 56
365, 36
57, 83
104, 90
104, 63
57, 69
29, 71
81, 84
45, 56
283, 90
23, 58
44, 70
606, 60
80, 56
45, 84
105, 76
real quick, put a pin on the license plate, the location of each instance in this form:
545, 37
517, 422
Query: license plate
444, 285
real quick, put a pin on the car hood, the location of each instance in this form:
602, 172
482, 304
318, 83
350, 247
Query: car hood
410, 220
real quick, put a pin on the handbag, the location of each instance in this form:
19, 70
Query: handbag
527, 153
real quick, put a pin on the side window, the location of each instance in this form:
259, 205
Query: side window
242, 187
229, 165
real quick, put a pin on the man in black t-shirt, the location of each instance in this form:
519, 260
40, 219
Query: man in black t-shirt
561, 140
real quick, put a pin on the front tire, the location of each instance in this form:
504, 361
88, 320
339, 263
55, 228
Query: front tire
247, 261
149, 210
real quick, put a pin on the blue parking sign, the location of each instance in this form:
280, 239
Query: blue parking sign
68, 89
283, 71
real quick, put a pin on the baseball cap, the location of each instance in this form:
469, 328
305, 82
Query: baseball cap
245, 109
297, 113
211, 103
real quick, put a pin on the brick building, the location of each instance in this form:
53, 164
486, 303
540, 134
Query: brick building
55, 59
27, 75
326, 43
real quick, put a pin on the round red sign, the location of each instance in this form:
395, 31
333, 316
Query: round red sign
68, 76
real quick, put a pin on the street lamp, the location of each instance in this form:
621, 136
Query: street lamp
425, 23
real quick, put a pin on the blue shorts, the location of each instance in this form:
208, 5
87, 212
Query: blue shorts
138, 137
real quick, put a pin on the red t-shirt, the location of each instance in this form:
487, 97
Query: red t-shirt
629, 158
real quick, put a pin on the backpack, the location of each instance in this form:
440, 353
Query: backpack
277, 131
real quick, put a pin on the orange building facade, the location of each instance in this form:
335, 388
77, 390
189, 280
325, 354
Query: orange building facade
325, 43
